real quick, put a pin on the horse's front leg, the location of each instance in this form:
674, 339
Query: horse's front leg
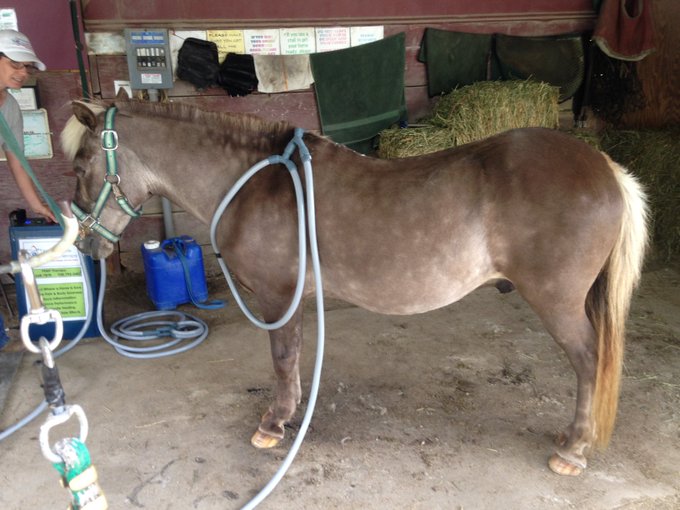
286, 343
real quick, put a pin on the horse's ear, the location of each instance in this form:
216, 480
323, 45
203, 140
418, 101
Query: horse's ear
85, 115
122, 94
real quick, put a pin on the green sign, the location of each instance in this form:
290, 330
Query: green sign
68, 298
61, 281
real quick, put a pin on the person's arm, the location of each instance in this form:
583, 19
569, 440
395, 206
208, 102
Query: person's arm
25, 185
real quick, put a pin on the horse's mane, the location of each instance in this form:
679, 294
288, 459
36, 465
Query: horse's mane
188, 112
72, 135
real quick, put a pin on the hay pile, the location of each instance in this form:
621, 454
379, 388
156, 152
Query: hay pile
483, 109
414, 141
654, 156
475, 112
590, 137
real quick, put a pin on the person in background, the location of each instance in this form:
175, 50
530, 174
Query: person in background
17, 62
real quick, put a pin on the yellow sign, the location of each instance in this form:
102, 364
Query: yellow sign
228, 41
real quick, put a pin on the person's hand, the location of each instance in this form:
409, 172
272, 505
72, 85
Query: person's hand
44, 211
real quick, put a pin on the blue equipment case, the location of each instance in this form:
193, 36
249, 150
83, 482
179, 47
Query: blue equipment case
61, 282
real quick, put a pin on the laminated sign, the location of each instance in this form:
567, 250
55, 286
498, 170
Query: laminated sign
61, 282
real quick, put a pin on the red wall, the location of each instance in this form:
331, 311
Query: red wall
48, 25
240, 10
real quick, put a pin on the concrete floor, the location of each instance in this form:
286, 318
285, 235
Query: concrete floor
456, 408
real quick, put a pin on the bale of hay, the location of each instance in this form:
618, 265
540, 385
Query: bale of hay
653, 156
413, 141
485, 108
475, 112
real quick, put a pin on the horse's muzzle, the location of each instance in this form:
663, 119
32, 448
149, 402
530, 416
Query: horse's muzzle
95, 246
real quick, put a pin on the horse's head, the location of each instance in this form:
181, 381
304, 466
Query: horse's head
102, 167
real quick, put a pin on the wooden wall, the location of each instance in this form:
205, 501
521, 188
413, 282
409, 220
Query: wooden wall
118, 14
61, 83
300, 107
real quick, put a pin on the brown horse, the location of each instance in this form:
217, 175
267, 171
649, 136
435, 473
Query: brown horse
534, 207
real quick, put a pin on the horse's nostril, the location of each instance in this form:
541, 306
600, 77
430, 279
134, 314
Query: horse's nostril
85, 245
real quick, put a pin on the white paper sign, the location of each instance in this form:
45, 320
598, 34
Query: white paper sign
332, 38
8, 19
37, 139
37, 135
297, 41
262, 42
363, 35
25, 97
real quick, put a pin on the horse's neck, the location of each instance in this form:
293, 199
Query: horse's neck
198, 183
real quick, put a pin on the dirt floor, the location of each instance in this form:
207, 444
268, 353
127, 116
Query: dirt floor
454, 409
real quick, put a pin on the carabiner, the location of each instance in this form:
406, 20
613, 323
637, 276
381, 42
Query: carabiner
57, 419
42, 317
37, 314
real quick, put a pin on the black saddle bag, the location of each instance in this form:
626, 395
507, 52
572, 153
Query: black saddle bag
197, 63
237, 74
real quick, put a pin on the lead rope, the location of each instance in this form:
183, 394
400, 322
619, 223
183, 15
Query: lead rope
15, 149
69, 456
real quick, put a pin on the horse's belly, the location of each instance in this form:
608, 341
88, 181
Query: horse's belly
407, 267
410, 293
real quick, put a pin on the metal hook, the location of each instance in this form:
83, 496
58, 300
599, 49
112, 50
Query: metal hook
57, 419
37, 314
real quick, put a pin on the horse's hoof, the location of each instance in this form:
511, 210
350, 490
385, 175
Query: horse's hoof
262, 440
563, 467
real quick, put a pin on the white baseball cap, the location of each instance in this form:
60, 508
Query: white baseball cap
17, 47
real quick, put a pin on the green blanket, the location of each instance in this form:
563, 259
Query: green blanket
360, 90
557, 60
454, 59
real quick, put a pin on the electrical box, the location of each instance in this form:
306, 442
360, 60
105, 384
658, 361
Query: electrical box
61, 281
149, 58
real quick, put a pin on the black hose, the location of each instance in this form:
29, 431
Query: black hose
79, 48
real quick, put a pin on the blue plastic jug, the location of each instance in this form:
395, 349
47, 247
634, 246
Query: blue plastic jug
174, 272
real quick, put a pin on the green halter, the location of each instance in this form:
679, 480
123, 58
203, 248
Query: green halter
90, 222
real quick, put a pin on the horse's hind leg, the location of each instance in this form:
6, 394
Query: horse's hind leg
572, 330
286, 343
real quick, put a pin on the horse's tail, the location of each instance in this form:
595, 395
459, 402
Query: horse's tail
609, 300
